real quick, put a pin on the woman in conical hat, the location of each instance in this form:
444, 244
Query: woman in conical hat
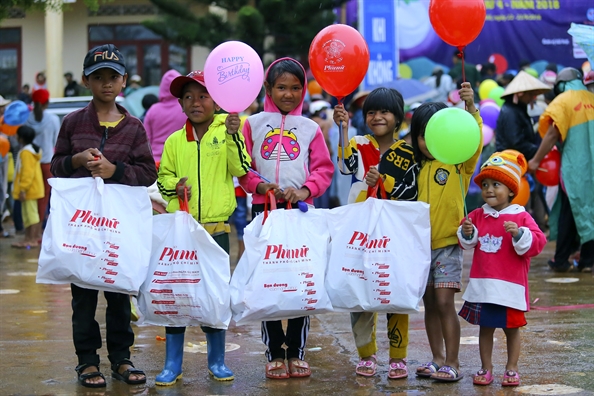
515, 129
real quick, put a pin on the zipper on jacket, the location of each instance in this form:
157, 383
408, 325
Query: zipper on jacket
199, 186
103, 139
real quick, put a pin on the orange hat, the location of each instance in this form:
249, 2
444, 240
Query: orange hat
507, 167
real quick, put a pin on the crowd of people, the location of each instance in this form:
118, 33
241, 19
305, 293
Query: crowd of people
322, 167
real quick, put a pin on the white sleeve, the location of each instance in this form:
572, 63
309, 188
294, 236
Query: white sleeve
523, 244
468, 243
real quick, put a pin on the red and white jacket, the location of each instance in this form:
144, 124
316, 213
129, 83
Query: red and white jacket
500, 265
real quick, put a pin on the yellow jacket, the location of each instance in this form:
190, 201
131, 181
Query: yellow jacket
28, 176
209, 166
439, 186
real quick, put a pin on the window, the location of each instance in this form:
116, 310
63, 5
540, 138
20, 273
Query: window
10, 56
145, 52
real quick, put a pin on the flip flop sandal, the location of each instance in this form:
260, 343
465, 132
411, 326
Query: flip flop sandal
431, 366
276, 366
397, 366
483, 373
368, 364
82, 378
510, 374
125, 376
299, 364
455, 375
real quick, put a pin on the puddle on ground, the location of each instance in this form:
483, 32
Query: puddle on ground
548, 389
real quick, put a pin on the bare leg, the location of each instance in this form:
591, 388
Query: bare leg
450, 326
433, 329
514, 343
486, 350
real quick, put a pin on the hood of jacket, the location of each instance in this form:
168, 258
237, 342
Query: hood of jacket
269, 105
164, 94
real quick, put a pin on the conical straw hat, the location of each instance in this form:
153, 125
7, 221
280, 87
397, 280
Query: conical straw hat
524, 82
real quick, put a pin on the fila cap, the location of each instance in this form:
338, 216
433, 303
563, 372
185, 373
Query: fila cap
107, 55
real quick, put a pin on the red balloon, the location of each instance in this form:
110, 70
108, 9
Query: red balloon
548, 169
523, 193
339, 58
457, 22
500, 63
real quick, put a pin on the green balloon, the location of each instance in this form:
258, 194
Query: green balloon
452, 136
495, 94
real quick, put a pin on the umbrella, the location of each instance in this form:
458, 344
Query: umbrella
411, 90
583, 35
421, 67
133, 102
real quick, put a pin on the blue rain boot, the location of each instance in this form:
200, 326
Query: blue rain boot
215, 347
174, 356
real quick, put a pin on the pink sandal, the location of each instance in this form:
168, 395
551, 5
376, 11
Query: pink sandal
508, 375
486, 374
367, 364
398, 366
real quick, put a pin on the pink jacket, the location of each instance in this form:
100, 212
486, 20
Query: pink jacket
296, 158
164, 117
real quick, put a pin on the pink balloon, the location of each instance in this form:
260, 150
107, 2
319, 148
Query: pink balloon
488, 104
454, 96
487, 134
233, 74
482, 102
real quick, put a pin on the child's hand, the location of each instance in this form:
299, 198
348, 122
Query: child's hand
263, 187
372, 176
293, 195
179, 188
22, 196
83, 158
467, 227
511, 227
467, 95
341, 115
232, 123
101, 167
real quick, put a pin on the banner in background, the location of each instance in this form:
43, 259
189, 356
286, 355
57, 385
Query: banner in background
514, 30
377, 23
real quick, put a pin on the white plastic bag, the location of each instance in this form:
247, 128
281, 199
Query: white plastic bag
188, 280
98, 236
281, 273
381, 256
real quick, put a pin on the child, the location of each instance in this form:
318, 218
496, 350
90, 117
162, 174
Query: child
290, 151
203, 157
439, 186
504, 238
28, 186
104, 140
368, 158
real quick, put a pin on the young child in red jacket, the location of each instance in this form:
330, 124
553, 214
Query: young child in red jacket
504, 237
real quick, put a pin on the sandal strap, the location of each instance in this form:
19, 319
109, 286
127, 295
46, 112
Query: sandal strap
116, 366
398, 366
83, 366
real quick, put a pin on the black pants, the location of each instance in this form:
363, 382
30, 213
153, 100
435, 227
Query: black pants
223, 241
295, 339
85, 329
567, 237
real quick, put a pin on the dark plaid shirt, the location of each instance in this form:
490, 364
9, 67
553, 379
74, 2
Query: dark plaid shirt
126, 146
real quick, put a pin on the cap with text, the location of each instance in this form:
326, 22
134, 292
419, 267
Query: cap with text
104, 56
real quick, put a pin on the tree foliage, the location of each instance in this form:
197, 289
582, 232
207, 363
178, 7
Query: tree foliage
291, 24
28, 5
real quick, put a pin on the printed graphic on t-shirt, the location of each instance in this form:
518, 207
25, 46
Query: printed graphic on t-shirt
490, 243
272, 146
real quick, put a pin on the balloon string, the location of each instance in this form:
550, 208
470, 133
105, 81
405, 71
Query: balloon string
461, 56
462, 190
341, 135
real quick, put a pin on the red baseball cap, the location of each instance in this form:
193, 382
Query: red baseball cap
177, 85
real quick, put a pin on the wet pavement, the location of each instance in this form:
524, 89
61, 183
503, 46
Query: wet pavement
38, 356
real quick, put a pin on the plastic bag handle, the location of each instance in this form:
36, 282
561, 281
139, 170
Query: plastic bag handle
372, 191
270, 199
